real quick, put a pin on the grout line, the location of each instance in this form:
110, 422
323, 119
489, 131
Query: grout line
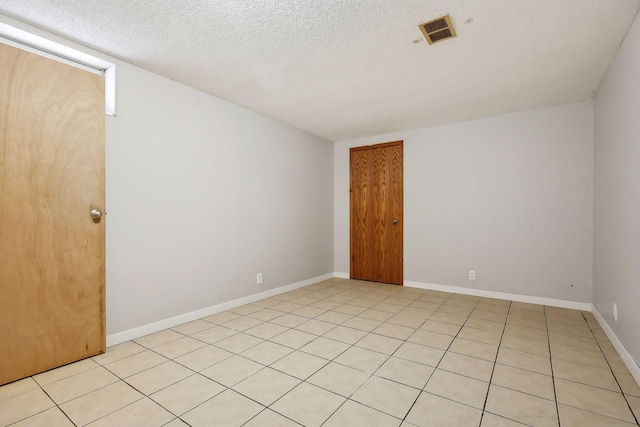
493, 369
553, 376
615, 377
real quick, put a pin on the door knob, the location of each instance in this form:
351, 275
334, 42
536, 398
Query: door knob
394, 221
96, 214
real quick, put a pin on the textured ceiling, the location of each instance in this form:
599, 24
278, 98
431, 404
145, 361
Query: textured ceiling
346, 69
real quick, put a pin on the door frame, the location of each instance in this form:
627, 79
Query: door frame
400, 145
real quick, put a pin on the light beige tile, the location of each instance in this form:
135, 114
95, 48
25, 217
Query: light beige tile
380, 343
308, 405
191, 328
574, 341
66, 371
266, 330
345, 335
334, 317
362, 359
118, 352
293, 338
99, 403
523, 332
628, 384
405, 372
452, 309
315, 327
215, 334
137, 363
308, 311
449, 318
75, 386
325, 348
23, 405
185, 395
430, 410
581, 331
349, 309
232, 370
394, 331
527, 323
525, 381
326, 305
158, 377
522, 360
590, 375
266, 386
574, 417
222, 317
378, 315
203, 358
179, 347
53, 417
242, 323
634, 402
289, 320
485, 325
361, 323
525, 408
480, 335
575, 355
238, 343
159, 338
267, 352
526, 345
270, 419
143, 412
492, 420
339, 379
593, 399
266, 314
300, 365
17, 387
227, 409
458, 388
431, 339
353, 414
488, 313
466, 365
419, 353
287, 307
474, 349
246, 309
527, 306
407, 320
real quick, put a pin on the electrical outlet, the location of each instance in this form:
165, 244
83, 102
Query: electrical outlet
472, 275
615, 312
259, 279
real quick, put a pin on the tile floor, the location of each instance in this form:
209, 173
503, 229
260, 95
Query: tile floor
346, 353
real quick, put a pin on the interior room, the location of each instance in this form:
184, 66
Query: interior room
234, 278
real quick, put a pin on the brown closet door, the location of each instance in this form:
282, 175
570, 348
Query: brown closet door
376, 213
51, 178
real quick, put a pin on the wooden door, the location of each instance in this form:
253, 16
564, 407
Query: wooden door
376, 213
51, 177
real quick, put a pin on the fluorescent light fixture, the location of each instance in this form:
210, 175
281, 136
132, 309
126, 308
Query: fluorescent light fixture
50, 49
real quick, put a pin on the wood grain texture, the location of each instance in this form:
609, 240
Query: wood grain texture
376, 200
51, 176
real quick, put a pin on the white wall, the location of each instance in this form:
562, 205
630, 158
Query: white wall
509, 197
617, 194
201, 195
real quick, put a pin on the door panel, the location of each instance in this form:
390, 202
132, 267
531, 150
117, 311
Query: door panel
376, 213
51, 251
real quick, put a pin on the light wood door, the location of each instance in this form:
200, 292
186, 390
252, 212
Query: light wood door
51, 177
376, 213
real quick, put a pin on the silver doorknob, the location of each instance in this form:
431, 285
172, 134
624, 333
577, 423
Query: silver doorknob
394, 221
96, 214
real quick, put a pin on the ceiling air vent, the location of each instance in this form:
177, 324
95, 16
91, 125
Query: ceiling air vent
438, 29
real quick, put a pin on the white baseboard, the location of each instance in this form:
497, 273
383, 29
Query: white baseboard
141, 331
617, 344
341, 275
502, 295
